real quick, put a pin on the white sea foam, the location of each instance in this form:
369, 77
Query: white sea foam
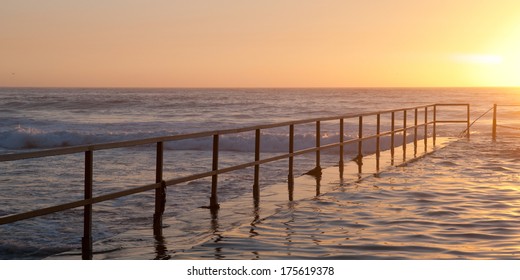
22, 138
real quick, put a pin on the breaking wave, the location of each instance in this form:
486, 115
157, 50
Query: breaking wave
21, 138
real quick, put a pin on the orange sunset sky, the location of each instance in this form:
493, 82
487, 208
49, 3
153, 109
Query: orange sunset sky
267, 43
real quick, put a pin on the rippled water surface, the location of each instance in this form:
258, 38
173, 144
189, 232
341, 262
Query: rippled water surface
459, 202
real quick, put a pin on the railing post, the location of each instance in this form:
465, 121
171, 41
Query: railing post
291, 162
256, 184
160, 193
392, 136
341, 147
213, 203
159, 162
468, 124
415, 133
405, 114
426, 128
318, 145
378, 140
86, 241
494, 129
434, 123
360, 136
404, 133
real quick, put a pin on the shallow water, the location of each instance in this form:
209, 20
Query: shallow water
46, 118
457, 203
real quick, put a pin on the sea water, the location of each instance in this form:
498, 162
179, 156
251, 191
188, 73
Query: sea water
467, 208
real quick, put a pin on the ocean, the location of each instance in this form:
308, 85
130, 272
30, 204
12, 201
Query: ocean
460, 201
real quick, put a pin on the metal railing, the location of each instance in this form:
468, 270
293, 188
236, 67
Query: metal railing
495, 123
161, 183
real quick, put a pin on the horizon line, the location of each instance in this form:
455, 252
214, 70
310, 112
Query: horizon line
248, 87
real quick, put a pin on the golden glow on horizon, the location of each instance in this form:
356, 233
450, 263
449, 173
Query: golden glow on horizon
500, 68
233, 43
478, 58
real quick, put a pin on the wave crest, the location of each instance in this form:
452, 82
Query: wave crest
21, 138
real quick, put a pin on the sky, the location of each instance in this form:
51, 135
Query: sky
268, 43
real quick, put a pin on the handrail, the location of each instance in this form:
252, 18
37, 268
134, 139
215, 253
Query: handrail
494, 122
161, 184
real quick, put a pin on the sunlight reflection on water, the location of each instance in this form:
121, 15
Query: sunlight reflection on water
426, 210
